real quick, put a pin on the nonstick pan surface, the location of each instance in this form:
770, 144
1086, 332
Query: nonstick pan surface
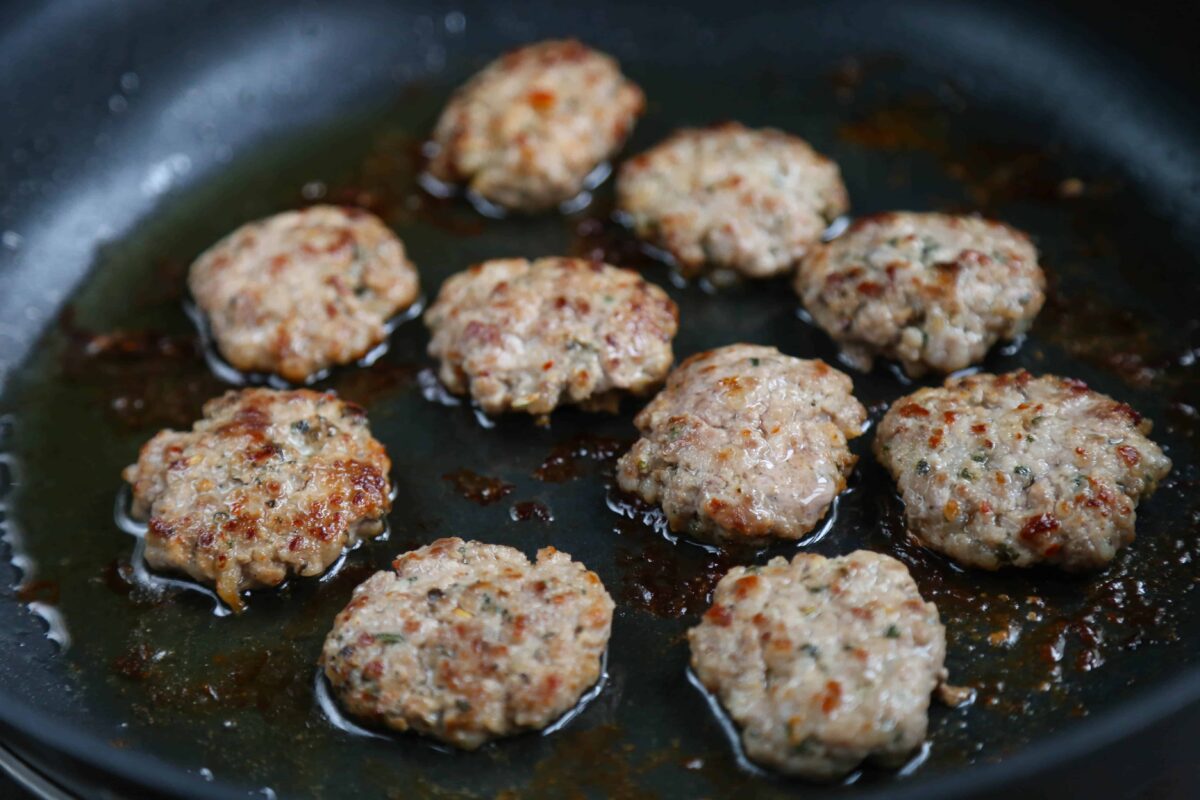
138, 133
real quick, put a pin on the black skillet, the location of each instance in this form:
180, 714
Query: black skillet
136, 133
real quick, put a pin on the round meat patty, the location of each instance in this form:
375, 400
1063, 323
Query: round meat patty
526, 132
933, 291
754, 201
745, 444
302, 291
468, 642
267, 484
1013, 470
530, 336
822, 663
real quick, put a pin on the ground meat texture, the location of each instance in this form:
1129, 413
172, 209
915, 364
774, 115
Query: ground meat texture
1000, 470
933, 291
754, 201
468, 642
744, 445
822, 663
299, 292
530, 336
527, 131
267, 484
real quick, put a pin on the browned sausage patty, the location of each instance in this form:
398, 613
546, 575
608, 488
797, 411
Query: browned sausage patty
526, 131
822, 663
999, 470
468, 642
267, 484
745, 444
754, 201
302, 291
933, 291
532, 335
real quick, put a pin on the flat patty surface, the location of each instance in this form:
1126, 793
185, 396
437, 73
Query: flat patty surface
1016, 470
745, 444
933, 291
526, 131
754, 201
302, 291
530, 336
467, 642
265, 485
822, 663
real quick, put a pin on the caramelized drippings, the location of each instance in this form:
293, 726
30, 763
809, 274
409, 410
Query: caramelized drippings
478, 488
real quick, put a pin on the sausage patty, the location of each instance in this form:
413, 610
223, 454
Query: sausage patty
526, 131
467, 642
822, 663
933, 291
302, 291
530, 336
745, 444
1000, 470
754, 201
267, 484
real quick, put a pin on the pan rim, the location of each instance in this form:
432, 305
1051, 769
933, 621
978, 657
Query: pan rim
1132, 716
